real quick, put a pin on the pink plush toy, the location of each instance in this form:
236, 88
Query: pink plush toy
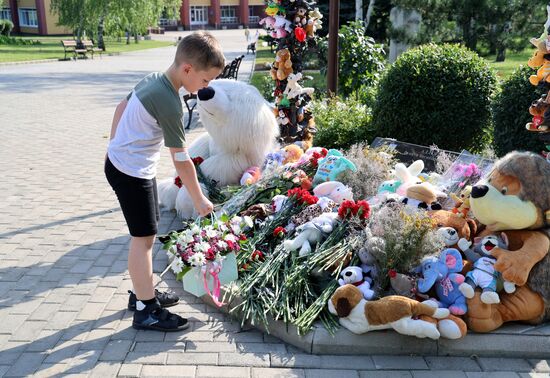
251, 176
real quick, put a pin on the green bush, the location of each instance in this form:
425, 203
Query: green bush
6, 26
436, 94
341, 123
511, 113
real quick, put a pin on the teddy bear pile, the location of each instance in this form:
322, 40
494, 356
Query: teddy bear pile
292, 24
540, 108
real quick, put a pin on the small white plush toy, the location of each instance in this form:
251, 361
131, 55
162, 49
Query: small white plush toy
277, 202
293, 89
354, 275
311, 233
334, 190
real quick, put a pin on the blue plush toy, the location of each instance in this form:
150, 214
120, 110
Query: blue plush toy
331, 166
443, 272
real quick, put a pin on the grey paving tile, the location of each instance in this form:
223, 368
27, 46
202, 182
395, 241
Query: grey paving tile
492, 374
504, 364
26, 364
222, 372
178, 358
438, 374
277, 373
116, 350
168, 371
326, 373
399, 362
292, 360
452, 363
385, 374
244, 359
129, 370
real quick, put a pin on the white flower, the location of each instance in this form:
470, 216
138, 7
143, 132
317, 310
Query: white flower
236, 229
185, 238
223, 228
248, 221
197, 259
236, 220
195, 230
177, 265
202, 247
210, 232
230, 237
221, 244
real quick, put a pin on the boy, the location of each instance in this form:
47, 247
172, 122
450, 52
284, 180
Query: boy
151, 113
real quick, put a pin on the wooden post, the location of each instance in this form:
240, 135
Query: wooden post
332, 74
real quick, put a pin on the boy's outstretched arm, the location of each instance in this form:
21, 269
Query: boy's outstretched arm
118, 114
188, 175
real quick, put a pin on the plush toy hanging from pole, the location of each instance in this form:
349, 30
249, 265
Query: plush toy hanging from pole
540, 109
292, 23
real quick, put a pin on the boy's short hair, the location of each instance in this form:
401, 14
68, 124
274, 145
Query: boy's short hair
202, 50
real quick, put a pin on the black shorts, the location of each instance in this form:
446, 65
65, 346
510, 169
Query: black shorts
138, 200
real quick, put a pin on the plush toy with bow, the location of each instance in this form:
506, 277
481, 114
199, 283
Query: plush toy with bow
311, 233
354, 275
332, 166
392, 312
443, 272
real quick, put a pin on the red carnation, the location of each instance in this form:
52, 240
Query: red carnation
242, 237
177, 182
362, 209
279, 232
197, 161
392, 273
257, 255
346, 209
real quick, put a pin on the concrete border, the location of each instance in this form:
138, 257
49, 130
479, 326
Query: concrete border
512, 340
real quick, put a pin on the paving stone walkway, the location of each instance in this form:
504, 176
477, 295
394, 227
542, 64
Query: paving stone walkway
63, 250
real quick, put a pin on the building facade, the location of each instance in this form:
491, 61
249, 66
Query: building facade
31, 17
218, 14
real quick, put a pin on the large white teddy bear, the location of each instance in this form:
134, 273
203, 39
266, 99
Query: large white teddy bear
241, 131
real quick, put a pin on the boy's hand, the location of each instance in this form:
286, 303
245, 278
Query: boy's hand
204, 206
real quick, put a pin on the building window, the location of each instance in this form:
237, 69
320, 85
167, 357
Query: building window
5, 14
198, 15
228, 14
252, 18
27, 17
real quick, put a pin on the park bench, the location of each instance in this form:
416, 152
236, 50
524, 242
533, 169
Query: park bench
71, 47
90, 48
231, 70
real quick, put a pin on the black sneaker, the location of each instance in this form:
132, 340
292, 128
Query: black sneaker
165, 298
153, 317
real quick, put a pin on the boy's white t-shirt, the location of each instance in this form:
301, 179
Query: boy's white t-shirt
153, 114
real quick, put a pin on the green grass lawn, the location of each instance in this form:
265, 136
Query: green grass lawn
262, 80
511, 63
50, 48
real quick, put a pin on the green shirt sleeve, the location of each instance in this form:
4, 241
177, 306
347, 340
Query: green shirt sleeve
172, 128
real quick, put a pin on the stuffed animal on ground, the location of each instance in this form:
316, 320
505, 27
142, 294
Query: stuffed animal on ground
251, 176
408, 176
443, 272
311, 233
359, 315
515, 199
293, 153
462, 201
452, 227
323, 205
334, 190
539, 109
484, 274
421, 196
332, 166
282, 67
354, 275
258, 212
233, 142
294, 89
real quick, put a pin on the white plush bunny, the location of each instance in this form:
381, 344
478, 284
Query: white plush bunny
311, 233
334, 190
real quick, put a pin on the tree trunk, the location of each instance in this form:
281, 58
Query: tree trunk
370, 9
358, 10
128, 35
136, 40
501, 53
100, 28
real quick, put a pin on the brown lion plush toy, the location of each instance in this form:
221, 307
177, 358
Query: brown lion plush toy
515, 199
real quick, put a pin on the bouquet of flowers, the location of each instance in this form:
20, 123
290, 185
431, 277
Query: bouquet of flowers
208, 248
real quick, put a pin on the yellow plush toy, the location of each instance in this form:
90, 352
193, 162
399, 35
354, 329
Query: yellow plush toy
293, 153
462, 202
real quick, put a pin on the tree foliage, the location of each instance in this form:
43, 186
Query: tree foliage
493, 24
133, 16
